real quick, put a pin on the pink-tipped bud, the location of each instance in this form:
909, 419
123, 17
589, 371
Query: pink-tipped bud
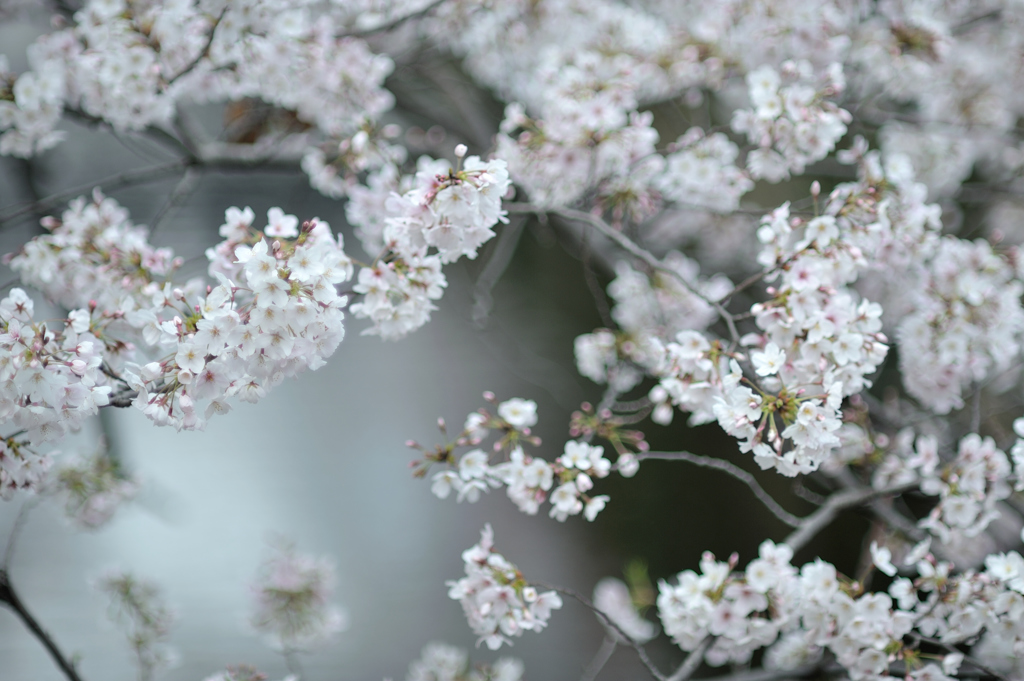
815, 189
411, 444
489, 396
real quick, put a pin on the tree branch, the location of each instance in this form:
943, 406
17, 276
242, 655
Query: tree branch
736, 472
205, 52
500, 258
633, 249
640, 651
10, 597
819, 520
396, 22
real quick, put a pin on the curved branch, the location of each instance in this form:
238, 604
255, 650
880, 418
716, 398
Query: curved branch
633, 249
10, 597
736, 472
396, 22
205, 52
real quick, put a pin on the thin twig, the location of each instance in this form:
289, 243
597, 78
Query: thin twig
600, 659
976, 410
396, 22
736, 472
595, 288
188, 183
499, 261
16, 528
205, 52
640, 651
118, 181
10, 597
291, 661
967, 658
633, 249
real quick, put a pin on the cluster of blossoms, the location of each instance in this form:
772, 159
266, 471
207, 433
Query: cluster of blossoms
497, 601
650, 311
529, 480
131, 64
442, 662
800, 613
819, 339
50, 381
966, 322
970, 487
138, 606
184, 351
292, 600
444, 214
92, 488
702, 172
30, 108
792, 123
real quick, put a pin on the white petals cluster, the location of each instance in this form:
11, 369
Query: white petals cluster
292, 605
443, 662
966, 322
970, 487
95, 253
650, 309
792, 123
801, 613
529, 481
497, 601
702, 172
50, 381
444, 214
556, 161
244, 673
275, 313
130, 64
31, 108
450, 210
734, 610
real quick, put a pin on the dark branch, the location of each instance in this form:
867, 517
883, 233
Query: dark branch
10, 598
